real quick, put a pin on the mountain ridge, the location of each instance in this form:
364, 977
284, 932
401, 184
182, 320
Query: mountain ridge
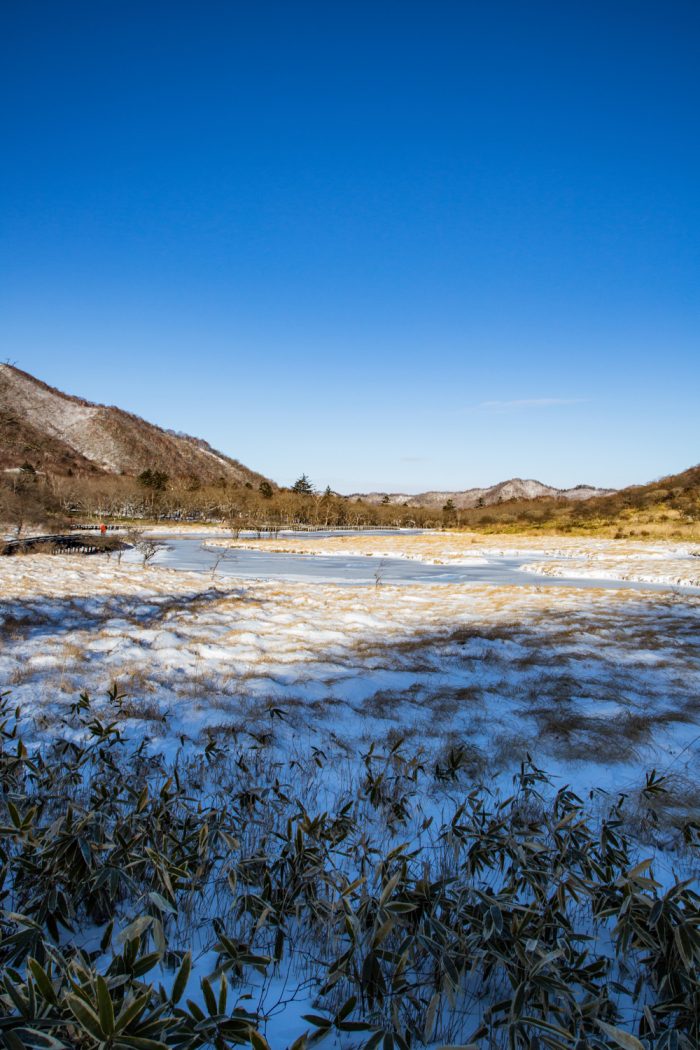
501, 492
55, 432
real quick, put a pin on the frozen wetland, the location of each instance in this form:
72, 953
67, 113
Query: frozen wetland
344, 720
597, 682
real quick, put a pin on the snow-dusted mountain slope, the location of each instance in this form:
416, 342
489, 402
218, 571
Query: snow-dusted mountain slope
56, 432
515, 488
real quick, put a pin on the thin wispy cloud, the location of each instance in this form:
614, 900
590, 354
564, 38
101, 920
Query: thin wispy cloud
533, 402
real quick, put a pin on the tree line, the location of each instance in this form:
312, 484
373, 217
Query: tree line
28, 498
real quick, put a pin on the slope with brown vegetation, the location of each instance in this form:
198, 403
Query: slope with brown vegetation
668, 507
56, 433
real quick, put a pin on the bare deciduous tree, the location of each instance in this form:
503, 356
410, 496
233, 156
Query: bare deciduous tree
145, 545
221, 554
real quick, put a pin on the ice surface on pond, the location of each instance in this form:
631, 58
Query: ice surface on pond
502, 569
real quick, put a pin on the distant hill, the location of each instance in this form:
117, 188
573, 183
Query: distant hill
668, 508
677, 492
514, 489
56, 433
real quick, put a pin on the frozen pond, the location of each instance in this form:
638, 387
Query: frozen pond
193, 554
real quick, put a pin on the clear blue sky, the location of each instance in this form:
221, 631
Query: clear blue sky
391, 244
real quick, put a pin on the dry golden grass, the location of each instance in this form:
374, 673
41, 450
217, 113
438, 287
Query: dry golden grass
637, 526
519, 654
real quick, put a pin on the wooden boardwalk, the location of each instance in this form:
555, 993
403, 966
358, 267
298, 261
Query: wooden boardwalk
60, 545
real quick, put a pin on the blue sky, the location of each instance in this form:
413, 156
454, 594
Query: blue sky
391, 244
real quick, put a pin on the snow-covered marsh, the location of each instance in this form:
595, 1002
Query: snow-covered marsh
597, 685
283, 784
